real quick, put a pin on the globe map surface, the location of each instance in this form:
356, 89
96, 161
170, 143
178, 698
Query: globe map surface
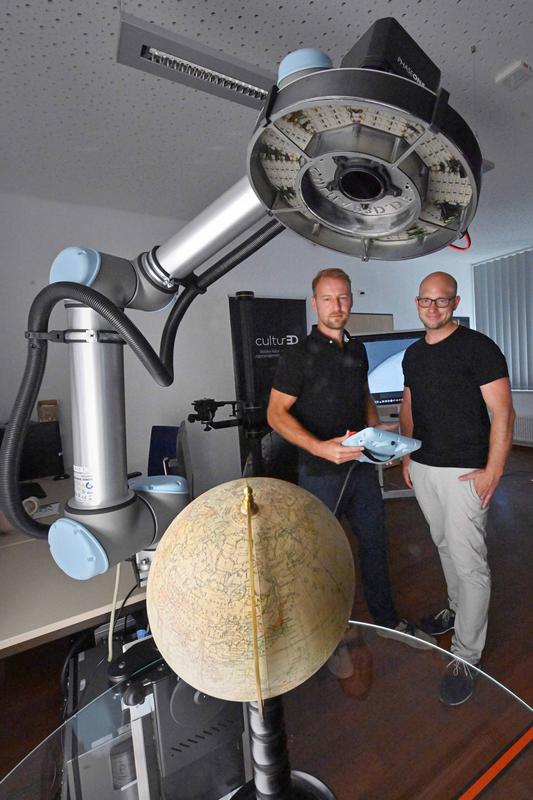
198, 593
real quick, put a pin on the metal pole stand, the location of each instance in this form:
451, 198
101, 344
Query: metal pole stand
273, 778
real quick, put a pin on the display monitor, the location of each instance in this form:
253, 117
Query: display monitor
42, 454
385, 354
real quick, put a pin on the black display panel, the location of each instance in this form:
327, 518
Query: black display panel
42, 454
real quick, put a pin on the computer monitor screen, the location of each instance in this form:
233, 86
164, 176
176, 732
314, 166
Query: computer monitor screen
42, 454
385, 353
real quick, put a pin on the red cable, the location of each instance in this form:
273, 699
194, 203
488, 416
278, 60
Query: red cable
466, 236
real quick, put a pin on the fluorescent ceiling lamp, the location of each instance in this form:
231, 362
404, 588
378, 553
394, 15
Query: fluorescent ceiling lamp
154, 50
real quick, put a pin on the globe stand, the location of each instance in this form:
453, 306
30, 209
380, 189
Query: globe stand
273, 778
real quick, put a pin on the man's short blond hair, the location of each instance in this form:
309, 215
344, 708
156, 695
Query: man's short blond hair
331, 272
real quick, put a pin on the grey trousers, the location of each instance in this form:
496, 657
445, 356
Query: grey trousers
457, 524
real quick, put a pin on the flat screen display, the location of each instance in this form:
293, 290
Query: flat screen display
385, 353
42, 454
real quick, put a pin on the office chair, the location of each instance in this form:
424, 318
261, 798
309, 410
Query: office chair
169, 453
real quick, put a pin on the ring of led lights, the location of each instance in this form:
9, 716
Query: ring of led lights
417, 162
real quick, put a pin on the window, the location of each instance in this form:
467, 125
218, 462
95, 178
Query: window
503, 298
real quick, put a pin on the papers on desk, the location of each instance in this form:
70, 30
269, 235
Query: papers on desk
46, 511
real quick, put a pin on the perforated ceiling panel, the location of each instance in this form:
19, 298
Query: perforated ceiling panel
77, 126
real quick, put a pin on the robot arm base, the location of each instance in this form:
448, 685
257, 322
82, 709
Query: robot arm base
86, 542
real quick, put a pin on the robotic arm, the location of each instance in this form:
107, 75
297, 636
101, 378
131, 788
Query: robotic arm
109, 519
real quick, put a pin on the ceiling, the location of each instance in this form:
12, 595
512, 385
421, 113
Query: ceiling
76, 126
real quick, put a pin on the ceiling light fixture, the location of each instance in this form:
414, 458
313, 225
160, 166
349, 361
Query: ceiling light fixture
367, 160
167, 55
191, 69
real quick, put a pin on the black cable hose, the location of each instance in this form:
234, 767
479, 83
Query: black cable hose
161, 368
48, 297
11, 450
38, 318
207, 278
74, 648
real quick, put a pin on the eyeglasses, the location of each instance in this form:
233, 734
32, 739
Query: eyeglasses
440, 302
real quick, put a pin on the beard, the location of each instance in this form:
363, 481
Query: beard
435, 324
335, 323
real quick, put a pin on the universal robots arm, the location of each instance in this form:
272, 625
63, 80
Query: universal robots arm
110, 518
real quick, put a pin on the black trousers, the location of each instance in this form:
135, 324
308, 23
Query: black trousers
362, 505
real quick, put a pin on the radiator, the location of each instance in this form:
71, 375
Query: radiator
523, 430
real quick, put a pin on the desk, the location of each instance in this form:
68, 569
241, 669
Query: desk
38, 601
392, 493
391, 416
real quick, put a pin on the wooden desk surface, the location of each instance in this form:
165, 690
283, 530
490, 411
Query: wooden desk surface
38, 601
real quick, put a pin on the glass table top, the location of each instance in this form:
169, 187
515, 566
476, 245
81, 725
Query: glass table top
374, 730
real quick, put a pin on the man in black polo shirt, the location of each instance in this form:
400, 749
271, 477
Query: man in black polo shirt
320, 394
453, 377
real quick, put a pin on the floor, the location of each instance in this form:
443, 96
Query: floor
387, 716
384, 724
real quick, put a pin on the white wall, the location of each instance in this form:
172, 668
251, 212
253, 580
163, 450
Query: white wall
33, 231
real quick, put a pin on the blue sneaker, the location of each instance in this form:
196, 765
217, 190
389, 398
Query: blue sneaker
457, 683
437, 624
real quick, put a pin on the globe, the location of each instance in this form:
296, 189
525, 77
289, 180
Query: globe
236, 621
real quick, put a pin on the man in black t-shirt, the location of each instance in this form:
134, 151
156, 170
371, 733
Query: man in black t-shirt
320, 394
453, 378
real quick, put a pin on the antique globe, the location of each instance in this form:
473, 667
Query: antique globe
250, 589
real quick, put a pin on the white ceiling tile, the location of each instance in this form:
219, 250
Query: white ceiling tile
77, 126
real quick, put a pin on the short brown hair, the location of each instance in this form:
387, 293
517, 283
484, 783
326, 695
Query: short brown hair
331, 272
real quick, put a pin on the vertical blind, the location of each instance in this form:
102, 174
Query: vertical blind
503, 299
